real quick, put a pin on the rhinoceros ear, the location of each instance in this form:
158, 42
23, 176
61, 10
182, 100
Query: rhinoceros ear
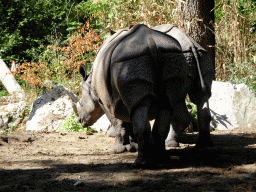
82, 71
112, 32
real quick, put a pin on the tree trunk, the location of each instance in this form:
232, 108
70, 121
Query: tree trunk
198, 22
9, 80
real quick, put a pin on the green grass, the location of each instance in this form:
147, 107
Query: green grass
71, 124
193, 112
3, 91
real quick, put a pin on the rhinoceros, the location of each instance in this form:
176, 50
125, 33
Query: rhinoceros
138, 75
200, 77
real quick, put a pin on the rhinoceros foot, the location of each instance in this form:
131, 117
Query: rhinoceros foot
132, 147
160, 161
171, 143
118, 148
142, 163
204, 142
111, 132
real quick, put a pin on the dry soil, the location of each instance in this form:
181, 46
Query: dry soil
33, 161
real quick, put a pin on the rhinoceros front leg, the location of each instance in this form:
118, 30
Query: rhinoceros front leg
124, 137
142, 131
111, 132
118, 131
119, 146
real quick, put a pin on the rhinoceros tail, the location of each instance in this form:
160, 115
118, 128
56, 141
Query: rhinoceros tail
193, 49
155, 54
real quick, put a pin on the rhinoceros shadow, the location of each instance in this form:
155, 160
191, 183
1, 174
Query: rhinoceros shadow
221, 119
228, 149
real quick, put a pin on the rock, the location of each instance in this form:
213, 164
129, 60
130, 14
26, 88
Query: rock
101, 124
5, 100
50, 109
11, 114
232, 106
245, 106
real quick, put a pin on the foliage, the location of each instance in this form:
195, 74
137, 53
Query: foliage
235, 23
81, 49
243, 73
55, 37
3, 91
70, 124
11, 129
24, 25
116, 14
35, 74
61, 63
193, 112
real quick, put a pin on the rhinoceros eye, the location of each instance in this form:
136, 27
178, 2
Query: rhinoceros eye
86, 77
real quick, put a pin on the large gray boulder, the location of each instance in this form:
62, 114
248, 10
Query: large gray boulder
245, 106
50, 109
232, 105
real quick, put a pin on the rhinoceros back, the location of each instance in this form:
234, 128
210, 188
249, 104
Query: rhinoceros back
186, 43
135, 65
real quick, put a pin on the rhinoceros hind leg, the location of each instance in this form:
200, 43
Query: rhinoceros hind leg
142, 131
160, 130
180, 121
201, 99
172, 143
204, 118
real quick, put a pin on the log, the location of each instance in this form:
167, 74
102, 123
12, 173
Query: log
9, 81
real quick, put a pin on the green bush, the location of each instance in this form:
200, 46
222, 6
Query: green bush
3, 91
235, 32
25, 25
71, 124
243, 73
28, 27
193, 112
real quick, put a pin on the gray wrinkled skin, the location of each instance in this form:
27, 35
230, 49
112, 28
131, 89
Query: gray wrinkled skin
139, 75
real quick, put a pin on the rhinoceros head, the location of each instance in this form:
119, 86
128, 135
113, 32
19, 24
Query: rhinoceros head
88, 107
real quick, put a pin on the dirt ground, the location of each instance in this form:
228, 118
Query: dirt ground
32, 161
